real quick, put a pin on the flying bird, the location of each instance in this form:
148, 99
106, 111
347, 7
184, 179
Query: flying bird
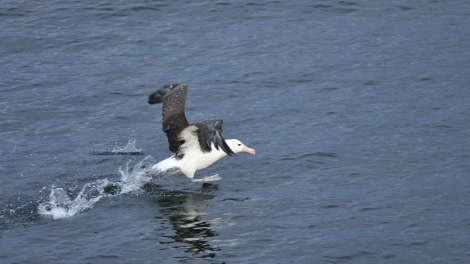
195, 146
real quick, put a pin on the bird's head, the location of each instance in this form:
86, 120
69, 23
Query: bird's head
237, 146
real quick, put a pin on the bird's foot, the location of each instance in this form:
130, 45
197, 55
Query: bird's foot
212, 178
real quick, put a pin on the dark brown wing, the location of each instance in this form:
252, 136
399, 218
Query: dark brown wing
210, 131
174, 120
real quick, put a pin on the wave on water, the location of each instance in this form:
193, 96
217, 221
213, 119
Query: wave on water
61, 205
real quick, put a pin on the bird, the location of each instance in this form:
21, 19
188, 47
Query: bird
195, 146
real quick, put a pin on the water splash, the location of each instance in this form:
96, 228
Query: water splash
128, 149
133, 179
60, 204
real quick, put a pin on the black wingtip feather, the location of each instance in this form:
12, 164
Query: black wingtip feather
210, 132
227, 149
157, 96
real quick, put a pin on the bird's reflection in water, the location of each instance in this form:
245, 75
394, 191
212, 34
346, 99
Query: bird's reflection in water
185, 211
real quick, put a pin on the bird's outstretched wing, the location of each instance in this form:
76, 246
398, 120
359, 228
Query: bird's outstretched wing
174, 120
210, 132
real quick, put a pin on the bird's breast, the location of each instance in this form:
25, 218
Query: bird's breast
201, 160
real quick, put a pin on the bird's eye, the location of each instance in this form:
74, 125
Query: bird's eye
239, 145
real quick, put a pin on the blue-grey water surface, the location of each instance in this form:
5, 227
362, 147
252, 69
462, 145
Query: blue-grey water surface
359, 112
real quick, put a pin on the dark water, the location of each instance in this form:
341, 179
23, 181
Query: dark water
359, 112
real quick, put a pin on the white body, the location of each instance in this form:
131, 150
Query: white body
190, 163
194, 158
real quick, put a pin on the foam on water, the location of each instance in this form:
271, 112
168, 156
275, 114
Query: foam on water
61, 205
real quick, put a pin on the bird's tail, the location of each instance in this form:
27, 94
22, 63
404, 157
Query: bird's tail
163, 168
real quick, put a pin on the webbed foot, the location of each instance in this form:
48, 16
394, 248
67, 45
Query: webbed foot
212, 178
